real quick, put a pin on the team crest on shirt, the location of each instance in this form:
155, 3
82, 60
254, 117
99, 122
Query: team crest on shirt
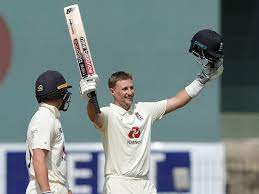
60, 130
134, 134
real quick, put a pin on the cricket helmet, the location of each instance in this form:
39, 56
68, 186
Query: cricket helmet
207, 44
52, 85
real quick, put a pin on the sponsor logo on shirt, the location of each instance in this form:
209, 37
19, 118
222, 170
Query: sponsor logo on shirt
134, 134
133, 142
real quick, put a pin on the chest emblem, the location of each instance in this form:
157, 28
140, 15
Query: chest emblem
134, 133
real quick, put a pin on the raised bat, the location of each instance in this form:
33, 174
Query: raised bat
80, 45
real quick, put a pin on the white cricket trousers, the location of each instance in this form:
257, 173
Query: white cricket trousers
56, 188
128, 185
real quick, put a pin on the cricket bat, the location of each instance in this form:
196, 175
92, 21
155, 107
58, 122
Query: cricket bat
80, 46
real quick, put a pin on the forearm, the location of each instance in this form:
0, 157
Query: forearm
41, 174
178, 101
95, 118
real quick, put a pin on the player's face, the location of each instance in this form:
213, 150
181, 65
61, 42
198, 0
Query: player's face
123, 93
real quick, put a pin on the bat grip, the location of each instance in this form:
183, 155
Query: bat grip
95, 102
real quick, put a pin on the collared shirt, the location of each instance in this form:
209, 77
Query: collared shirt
45, 132
126, 137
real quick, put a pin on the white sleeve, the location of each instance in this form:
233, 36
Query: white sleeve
42, 131
155, 109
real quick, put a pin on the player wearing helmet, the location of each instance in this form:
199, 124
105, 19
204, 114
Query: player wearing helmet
45, 144
51, 85
126, 127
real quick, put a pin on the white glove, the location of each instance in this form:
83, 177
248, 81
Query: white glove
211, 71
88, 85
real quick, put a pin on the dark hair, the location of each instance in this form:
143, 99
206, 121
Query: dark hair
117, 76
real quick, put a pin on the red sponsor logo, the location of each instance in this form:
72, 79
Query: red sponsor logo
79, 58
134, 133
87, 56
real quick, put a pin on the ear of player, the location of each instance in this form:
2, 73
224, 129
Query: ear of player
207, 47
88, 85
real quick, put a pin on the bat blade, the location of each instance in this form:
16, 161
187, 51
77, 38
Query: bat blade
80, 46
79, 40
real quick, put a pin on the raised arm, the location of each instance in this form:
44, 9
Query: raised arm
88, 85
208, 72
177, 101
96, 118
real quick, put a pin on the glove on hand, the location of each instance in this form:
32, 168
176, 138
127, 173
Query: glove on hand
210, 71
88, 85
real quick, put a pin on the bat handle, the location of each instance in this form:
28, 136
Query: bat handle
95, 102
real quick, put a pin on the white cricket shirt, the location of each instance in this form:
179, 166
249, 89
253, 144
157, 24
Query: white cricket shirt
126, 137
45, 132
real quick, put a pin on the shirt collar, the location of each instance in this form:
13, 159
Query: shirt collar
121, 110
52, 109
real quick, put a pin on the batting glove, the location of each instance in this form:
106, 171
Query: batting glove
88, 85
210, 71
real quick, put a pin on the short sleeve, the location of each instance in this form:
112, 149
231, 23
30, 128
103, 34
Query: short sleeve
155, 109
42, 131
